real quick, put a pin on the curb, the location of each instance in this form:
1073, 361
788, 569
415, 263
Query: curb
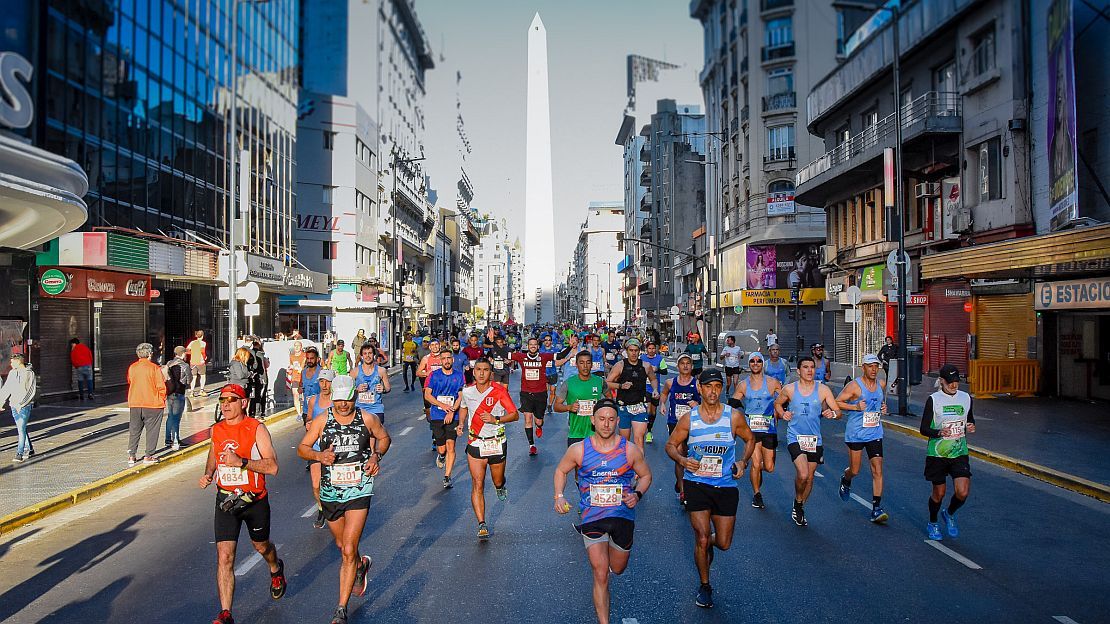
1052, 476
50, 506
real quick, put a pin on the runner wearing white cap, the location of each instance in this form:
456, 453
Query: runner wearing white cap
864, 403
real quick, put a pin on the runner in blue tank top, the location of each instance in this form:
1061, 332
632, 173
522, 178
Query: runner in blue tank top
803, 404
652, 356
606, 463
310, 380
318, 405
679, 396
370, 384
443, 391
712, 466
775, 367
755, 398
864, 403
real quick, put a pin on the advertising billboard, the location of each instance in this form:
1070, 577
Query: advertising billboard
1063, 193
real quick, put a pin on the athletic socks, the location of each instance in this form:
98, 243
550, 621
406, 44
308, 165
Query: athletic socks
954, 505
934, 509
531, 438
875, 500
846, 482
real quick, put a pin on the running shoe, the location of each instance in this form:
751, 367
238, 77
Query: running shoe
799, 515
502, 493
176, 446
483, 531
340, 616
446, 482
878, 516
539, 431
131, 461
277, 581
648, 439
319, 523
532, 450
950, 522
360, 574
757, 500
441, 461
224, 618
705, 596
933, 530
845, 491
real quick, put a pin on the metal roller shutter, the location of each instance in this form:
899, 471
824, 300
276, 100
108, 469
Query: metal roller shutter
842, 345
1004, 325
915, 326
947, 328
872, 327
60, 320
122, 328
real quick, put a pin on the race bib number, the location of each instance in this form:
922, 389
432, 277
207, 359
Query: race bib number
953, 430
808, 443
446, 399
488, 447
596, 366
499, 364
232, 475
636, 408
585, 407
410, 358
366, 397
871, 419
681, 410
472, 363
346, 474
695, 356
532, 374
759, 422
711, 466
606, 494
610, 356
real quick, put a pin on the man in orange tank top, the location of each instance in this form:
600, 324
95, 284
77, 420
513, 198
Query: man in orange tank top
241, 456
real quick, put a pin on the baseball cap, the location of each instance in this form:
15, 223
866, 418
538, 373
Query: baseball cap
327, 374
235, 389
311, 349
710, 375
949, 373
632, 342
343, 389
871, 358
605, 403
684, 355
755, 355
817, 345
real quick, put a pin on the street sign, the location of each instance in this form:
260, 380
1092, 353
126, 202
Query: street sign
738, 309
675, 311
892, 262
249, 292
852, 316
251, 309
674, 317
853, 295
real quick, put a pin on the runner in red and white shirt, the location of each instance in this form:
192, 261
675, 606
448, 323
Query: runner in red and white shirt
533, 388
484, 410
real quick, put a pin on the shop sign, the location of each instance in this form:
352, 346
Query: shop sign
265, 270
303, 280
100, 285
1074, 294
957, 293
53, 282
871, 278
780, 296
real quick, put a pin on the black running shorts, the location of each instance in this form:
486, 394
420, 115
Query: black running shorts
718, 501
256, 517
938, 469
768, 440
442, 432
874, 448
472, 450
534, 403
618, 532
817, 457
335, 510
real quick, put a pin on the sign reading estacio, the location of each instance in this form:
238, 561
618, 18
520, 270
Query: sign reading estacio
1075, 294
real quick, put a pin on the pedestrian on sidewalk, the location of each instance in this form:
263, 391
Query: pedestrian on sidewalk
239, 372
81, 358
888, 352
259, 381
178, 380
19, 392
198, 361
358, 341
146, 397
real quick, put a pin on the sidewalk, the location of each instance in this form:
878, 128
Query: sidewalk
1066, 435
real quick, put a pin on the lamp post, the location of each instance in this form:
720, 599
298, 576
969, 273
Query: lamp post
397, 255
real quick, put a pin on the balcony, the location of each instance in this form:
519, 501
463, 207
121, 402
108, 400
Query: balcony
778, 52
744, 66
733, 127
744, 114
645, 230
771, 5
779, 154
931, 126
645, 152
758, 227
780, 102
646, 202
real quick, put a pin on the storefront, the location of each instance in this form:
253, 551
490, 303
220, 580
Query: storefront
105, 309
1075, 316
947, 325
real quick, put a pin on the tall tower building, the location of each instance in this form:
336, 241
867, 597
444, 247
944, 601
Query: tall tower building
539, 237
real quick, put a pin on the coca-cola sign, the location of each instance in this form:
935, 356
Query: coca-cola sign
100, 285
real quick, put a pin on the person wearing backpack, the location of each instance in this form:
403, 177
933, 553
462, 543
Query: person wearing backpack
179, 377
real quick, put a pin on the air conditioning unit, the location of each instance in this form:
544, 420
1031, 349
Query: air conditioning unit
828, 254
927, 189
960, 221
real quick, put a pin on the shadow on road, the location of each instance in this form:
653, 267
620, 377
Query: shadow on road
93, 609
6, 546
59, 567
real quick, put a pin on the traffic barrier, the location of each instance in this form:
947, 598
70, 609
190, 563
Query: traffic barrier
987, 378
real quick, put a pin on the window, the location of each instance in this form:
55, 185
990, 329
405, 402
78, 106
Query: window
869, 118
780, 142
843, 134
329, 140
779, 32
326, 192
944, 78
982, 52
331, 250
780, 80
990, 170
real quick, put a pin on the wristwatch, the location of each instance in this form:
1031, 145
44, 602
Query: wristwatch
639, 494
244, 464
379, 456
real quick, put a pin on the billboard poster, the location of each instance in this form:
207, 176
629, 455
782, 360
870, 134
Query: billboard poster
1063, 194
762, 267
780, 203
798, 266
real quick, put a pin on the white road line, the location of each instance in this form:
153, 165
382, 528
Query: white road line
629, 621
859, 499
1064, 619
955, 555
818, 474
405, 430
252, 561
308, 512
420, 417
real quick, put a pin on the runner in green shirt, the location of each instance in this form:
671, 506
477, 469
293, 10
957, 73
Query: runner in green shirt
576, 396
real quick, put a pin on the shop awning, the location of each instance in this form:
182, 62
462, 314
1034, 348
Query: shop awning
1022, 257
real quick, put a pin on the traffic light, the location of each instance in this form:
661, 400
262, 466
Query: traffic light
795, 295
792, 314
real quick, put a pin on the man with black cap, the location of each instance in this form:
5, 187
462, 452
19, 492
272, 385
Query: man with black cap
864, 403
821, 363
711, 465
946, 421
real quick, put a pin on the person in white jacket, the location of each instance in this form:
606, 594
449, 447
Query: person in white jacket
19, 392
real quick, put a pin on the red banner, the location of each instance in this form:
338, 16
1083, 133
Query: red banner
102, 285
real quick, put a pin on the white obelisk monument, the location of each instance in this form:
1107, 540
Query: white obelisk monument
539, 210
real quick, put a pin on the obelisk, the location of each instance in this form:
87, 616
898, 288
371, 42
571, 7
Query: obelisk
539, 211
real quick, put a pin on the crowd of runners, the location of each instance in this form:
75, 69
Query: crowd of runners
721, 424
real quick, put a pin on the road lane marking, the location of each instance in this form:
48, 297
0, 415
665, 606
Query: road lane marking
405, 430
308, 512
420, 417
1063, 619
635, 621
251, 562
955, 555
818, 474
859, 499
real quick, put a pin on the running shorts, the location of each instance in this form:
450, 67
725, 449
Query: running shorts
938, 469
768, 440
442, 432
618, 532
874, 448
534, 403
817, 457
472, 450
257, 518
732, 370
334, 510
718, 501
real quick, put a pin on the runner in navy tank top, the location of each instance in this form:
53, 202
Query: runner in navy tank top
606, 464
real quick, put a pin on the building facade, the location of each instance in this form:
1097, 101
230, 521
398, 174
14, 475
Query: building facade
493, 281
594, 284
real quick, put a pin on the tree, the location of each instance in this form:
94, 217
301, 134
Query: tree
478, 313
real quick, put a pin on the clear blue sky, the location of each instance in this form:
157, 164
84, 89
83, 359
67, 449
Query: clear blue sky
588, 41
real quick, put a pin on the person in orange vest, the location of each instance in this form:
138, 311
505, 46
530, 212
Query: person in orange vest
146, 397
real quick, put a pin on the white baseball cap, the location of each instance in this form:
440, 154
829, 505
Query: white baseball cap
871, 358
343, 388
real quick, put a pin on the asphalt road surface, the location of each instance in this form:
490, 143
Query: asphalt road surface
1028, 552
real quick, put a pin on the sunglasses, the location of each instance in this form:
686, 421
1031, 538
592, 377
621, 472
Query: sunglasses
229, 399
